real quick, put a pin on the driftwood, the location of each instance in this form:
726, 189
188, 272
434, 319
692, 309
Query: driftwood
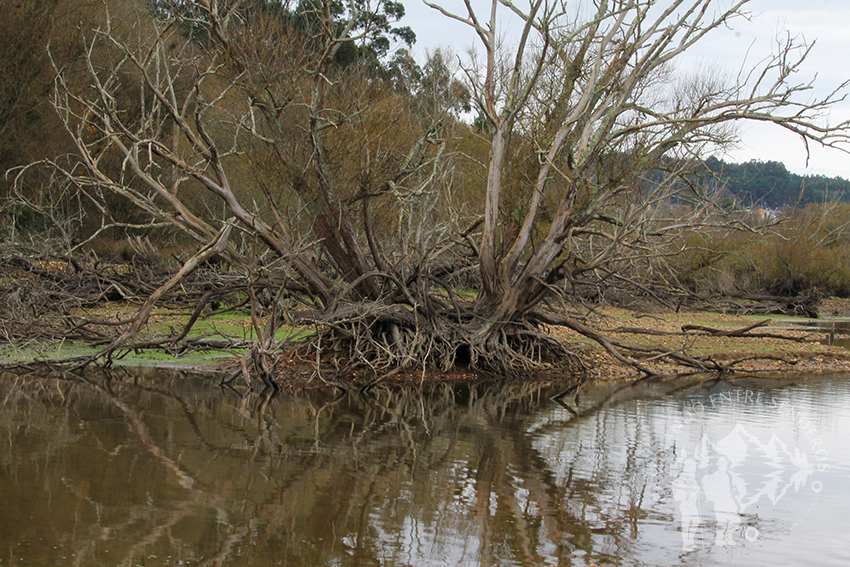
704, 331
46, 300
632, 355
742, 332
637, 356
805, 304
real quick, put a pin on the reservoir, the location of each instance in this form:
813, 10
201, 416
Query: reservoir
153, 467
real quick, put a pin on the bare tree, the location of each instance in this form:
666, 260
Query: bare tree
580, 108
594, 91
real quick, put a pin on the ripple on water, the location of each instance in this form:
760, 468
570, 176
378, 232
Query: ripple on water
165, 469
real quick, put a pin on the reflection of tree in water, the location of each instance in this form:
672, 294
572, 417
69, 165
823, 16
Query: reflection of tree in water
438, 474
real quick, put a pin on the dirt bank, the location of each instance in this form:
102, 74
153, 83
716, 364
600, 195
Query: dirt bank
777, 344
773, 344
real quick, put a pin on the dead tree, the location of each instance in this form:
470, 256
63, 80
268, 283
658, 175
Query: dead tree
346, 174
598, 99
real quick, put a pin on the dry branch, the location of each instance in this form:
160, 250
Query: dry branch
206, 253
704, 331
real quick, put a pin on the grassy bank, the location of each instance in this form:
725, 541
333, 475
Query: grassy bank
778, 343
229, 332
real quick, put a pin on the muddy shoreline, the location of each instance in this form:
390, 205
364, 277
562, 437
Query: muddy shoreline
788, 348
793, 349
800, 350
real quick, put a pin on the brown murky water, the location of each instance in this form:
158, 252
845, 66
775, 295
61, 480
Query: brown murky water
151, 468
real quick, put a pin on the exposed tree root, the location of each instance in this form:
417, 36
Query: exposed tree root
386, 338
441, 333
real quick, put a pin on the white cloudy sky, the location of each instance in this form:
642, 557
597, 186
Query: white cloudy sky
827, 22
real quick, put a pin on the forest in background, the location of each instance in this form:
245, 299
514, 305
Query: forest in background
769, 185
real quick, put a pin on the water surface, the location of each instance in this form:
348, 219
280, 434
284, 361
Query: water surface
155, 468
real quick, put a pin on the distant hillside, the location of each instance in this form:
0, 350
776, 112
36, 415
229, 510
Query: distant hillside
771, 185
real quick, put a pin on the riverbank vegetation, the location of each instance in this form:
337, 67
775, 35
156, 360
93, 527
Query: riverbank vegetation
294, 165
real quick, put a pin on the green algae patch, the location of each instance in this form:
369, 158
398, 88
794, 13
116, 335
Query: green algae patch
213, 340
50, 353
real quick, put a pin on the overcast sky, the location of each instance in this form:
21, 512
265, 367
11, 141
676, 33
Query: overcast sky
822, 21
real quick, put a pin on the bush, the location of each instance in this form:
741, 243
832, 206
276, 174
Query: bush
807, 250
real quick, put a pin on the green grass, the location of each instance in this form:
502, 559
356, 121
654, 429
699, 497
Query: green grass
151, 357
467, 294
162, 325
231, 325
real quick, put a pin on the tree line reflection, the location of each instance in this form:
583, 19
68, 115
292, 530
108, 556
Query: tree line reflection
121, 467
